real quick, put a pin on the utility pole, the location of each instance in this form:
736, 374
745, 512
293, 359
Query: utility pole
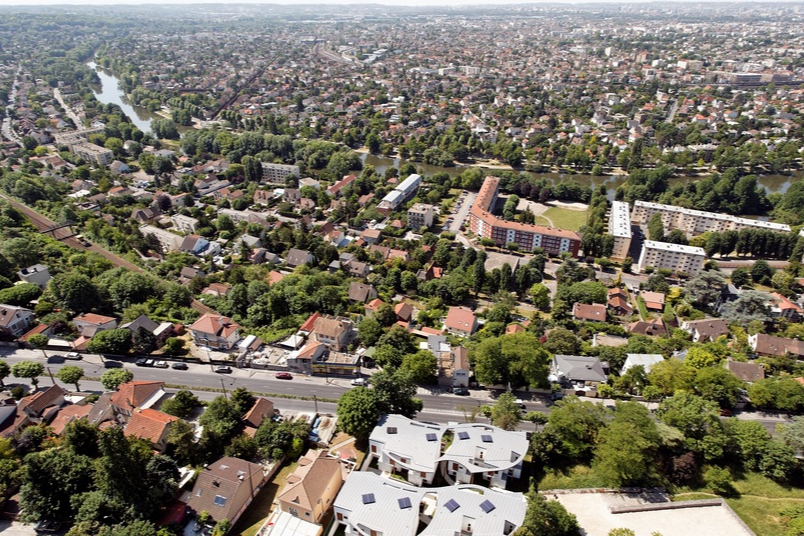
315, 400
224, 389
51, 376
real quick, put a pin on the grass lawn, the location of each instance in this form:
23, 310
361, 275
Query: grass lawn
564, 218
257, 512
580, 476
541, 221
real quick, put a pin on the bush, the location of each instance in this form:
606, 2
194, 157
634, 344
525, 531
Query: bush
719, 481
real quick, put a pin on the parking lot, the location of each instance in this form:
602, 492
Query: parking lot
460, 211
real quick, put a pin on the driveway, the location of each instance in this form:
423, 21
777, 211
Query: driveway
15, 528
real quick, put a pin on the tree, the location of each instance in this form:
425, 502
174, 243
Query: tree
421, 366
181, 404
396, 391
369, 331
699, 357
750, 305
28, 369
73, 290
51, 479
705, 288
778, 461
221, 527
698, 420
358, 411
71, 374
718, 385
5, 370
761, 272
110, 341
38, 340
740, 277
174, 346
748, 441
540, 295
563, 342
82, 437
574, 426
111, 379
792, 433
547, 518
621, 532
505, 413
656, 228
719, 480
624, 454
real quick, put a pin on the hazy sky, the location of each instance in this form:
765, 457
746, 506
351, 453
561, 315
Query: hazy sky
291, 2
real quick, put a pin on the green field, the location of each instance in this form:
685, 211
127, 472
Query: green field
564, 218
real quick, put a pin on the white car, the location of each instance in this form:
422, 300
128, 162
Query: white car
73, 355
360, 382
161, 364
520, 403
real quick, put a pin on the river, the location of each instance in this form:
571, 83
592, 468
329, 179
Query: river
109, 92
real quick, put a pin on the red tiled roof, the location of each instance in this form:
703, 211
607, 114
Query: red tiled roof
149, 424
133, 394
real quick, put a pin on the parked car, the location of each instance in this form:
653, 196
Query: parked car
179, 366
556, 396
520, 403
150, 363
55, 359
141, 362
360, 382
223, 369
283, 376
460, 391
75, 356
47, 526
161, 364
112, 364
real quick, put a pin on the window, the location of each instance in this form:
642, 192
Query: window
220, 501
294, 512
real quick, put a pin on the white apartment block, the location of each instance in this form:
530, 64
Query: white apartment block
696, 222
100, 156
276, 173
420, 215
673, 257
184, 224
169, 241
620, 228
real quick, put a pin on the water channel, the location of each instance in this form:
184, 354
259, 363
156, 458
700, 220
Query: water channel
109, 92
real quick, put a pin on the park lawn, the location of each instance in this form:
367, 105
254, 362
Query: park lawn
541, 221
259, 510
564, 218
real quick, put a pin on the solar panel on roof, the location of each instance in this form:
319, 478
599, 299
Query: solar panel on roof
432, 437
463, 435
487, 506
451, 505
368, 498
404, 503
487, 438
392, 429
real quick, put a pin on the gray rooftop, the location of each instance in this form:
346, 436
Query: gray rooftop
505, 450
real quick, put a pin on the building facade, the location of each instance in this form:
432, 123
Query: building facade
620, 229
420, 215
276, 173
485, 225
675, 257
696, 222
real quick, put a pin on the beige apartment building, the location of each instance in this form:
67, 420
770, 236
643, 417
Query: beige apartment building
420, 215
696, 222
100, 156
620, 228
276, 173
673, 257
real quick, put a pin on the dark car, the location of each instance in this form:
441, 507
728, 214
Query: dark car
112, 364
555, 397
460, 391
47, 526
55, 359
141, 362
223, 369
179, 366
283, 376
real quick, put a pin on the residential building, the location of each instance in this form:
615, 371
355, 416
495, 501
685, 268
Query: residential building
38, 274
481, 453
675, 257
651, 328
706, 330
184, 224
461, 321
408, 447
372, 505
577, 370
335, 189
336, 333
747, 372
618, 302
168, 242
781, 307
94, 154
591, 313
460, 366
420, 215
88, 324
646, 361
762, 344
485, 225
151, 425
311, 489
225, 488
401, 194
14, 320
121, 404
620, 229
361, 292
695, 222
276, 173
299, 257
215, 331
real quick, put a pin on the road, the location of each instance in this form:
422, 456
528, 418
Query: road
5, 128
42, 223
67, 109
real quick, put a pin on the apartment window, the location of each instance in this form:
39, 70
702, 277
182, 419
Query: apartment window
294, 512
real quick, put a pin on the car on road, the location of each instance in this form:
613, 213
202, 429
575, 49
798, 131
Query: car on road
460, 391
520, 403
150, 363
55, 359
75, 356
283, 376
360, 382
179, 366
141, 362
112, 364
223, 369
161, 364
555, 397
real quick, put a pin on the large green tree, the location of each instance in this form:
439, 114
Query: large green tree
111, 379
358, 411
30, 370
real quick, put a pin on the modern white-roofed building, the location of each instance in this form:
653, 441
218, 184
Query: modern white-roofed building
645, 360
480, 451
675, 257
696, 222
168, 241
401, 194
620, 229
410, 447
371, 505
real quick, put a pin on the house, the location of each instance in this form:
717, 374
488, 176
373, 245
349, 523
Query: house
311, 489
706, 330
121, 404
646, 361
337, 333
578, 370
145, 215
763, 344
225, 488
461, 321
215, 331
262, 409
404, 312
67, 415
88, 324
38, 274
15, 321
460, 366
484, 453
42, 406
618, 302
361, 293
592, 313
747, 372
654, 301
335, 189
372, 306
408, 447
299, 257
653, 328
356, 268
371, 236
160, 331
151, 425
198, 245
219, 290
781, 307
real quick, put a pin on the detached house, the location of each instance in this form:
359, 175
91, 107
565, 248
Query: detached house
708, 329
150, 425
618, 302
592, 313
335, 333
311, 489
215, 331
461, 321
15, 321
578, 370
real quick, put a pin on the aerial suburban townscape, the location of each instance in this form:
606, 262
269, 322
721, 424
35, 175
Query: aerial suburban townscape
381, 270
